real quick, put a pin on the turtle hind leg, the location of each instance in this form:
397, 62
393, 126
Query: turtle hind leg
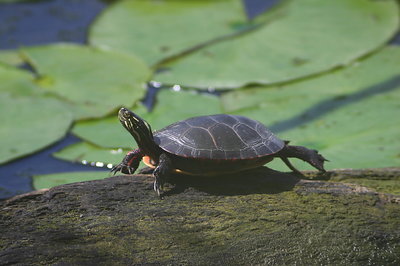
311, 156
290, 165
161, 173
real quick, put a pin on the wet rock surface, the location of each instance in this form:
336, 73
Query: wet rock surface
256, 217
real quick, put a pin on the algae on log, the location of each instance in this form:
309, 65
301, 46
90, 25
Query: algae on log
257, 217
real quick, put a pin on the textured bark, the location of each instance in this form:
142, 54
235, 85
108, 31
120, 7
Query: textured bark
256, 217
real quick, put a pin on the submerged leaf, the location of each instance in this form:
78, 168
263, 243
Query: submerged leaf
171, 107
93, 81
311, 37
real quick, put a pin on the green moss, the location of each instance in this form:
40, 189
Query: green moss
196, 228
283, 228
380, 183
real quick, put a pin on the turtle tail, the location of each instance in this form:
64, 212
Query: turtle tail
310, 156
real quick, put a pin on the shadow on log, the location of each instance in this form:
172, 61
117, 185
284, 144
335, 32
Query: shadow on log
256, 217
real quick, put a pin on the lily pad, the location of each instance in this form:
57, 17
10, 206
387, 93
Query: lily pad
171, 107
349, 115
311, 37
10, 57
87, 153
156, 30
93, 81
17, 82
52, 180
29, 124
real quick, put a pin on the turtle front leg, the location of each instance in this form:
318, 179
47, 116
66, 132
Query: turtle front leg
161, 172
311, 156
130, 163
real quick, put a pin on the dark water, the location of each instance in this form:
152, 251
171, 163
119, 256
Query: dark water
43, 22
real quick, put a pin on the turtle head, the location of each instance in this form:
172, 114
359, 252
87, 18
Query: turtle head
136, 126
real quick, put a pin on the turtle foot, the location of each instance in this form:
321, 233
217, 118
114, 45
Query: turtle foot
123, 168
129, 164
158, 187
317, 160
161, 173
311, 156
159, 181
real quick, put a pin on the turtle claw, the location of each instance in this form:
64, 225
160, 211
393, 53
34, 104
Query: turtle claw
317, 160
158, 188
310, 156
123, 168
158, 183
161, 173
116, 169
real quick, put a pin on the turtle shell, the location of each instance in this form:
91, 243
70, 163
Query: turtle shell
226, 137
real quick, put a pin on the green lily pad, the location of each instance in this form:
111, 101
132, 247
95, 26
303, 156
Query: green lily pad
29, 124
89, 154
171, 107
156, 30
93, 81
86, 153
17, 82
52, 180
311, 37
349, 115
10, 57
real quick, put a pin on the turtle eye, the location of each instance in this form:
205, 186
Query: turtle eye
127, 115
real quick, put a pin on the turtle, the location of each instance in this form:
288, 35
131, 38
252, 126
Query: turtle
207, 145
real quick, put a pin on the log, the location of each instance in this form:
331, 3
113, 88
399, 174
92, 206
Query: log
255, 217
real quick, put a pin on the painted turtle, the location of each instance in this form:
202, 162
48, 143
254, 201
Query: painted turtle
207, 145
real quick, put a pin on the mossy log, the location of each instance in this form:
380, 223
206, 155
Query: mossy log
257, 217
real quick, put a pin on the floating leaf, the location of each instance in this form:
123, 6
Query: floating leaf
17, 82
313, 36
349, 115
29, 124
10, 57
93, 81
171, 107
87, 153
52, 180
156, 30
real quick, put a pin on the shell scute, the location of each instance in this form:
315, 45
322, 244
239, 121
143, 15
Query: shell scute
203, 122
225, 138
